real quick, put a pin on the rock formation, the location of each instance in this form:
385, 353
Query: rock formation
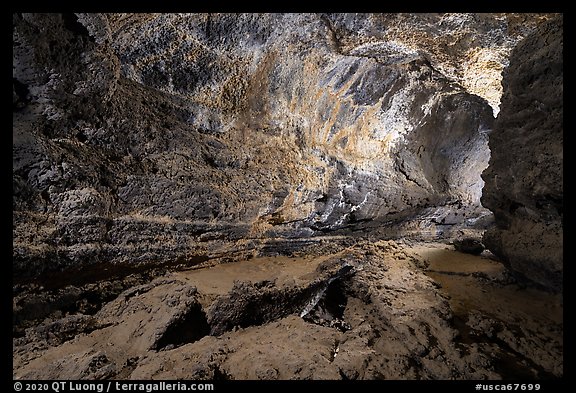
377, 316
145, 144
146, 138
524, 182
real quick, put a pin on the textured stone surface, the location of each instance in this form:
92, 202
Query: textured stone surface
470, 49
146, 139
205, 196
524, 181
246, 320
469, 245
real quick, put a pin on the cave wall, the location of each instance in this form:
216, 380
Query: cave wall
524, 180
146, 138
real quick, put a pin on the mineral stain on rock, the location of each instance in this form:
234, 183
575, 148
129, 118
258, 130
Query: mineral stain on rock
277, 196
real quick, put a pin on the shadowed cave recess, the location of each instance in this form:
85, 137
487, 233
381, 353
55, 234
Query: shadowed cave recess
287, 196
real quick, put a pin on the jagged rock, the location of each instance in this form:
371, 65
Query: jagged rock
204, 196
524, 181
249, 319
149, 138
469, 246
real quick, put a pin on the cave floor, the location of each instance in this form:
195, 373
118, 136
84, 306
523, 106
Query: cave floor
374, 310
459, 274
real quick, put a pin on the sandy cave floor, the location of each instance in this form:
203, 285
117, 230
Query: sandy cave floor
374, 310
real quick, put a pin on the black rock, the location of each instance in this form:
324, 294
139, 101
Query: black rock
469, 246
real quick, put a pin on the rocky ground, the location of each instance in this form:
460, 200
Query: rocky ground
366, 310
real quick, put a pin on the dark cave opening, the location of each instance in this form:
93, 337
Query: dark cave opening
22, 94
329, 310
72, 24
187, 329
